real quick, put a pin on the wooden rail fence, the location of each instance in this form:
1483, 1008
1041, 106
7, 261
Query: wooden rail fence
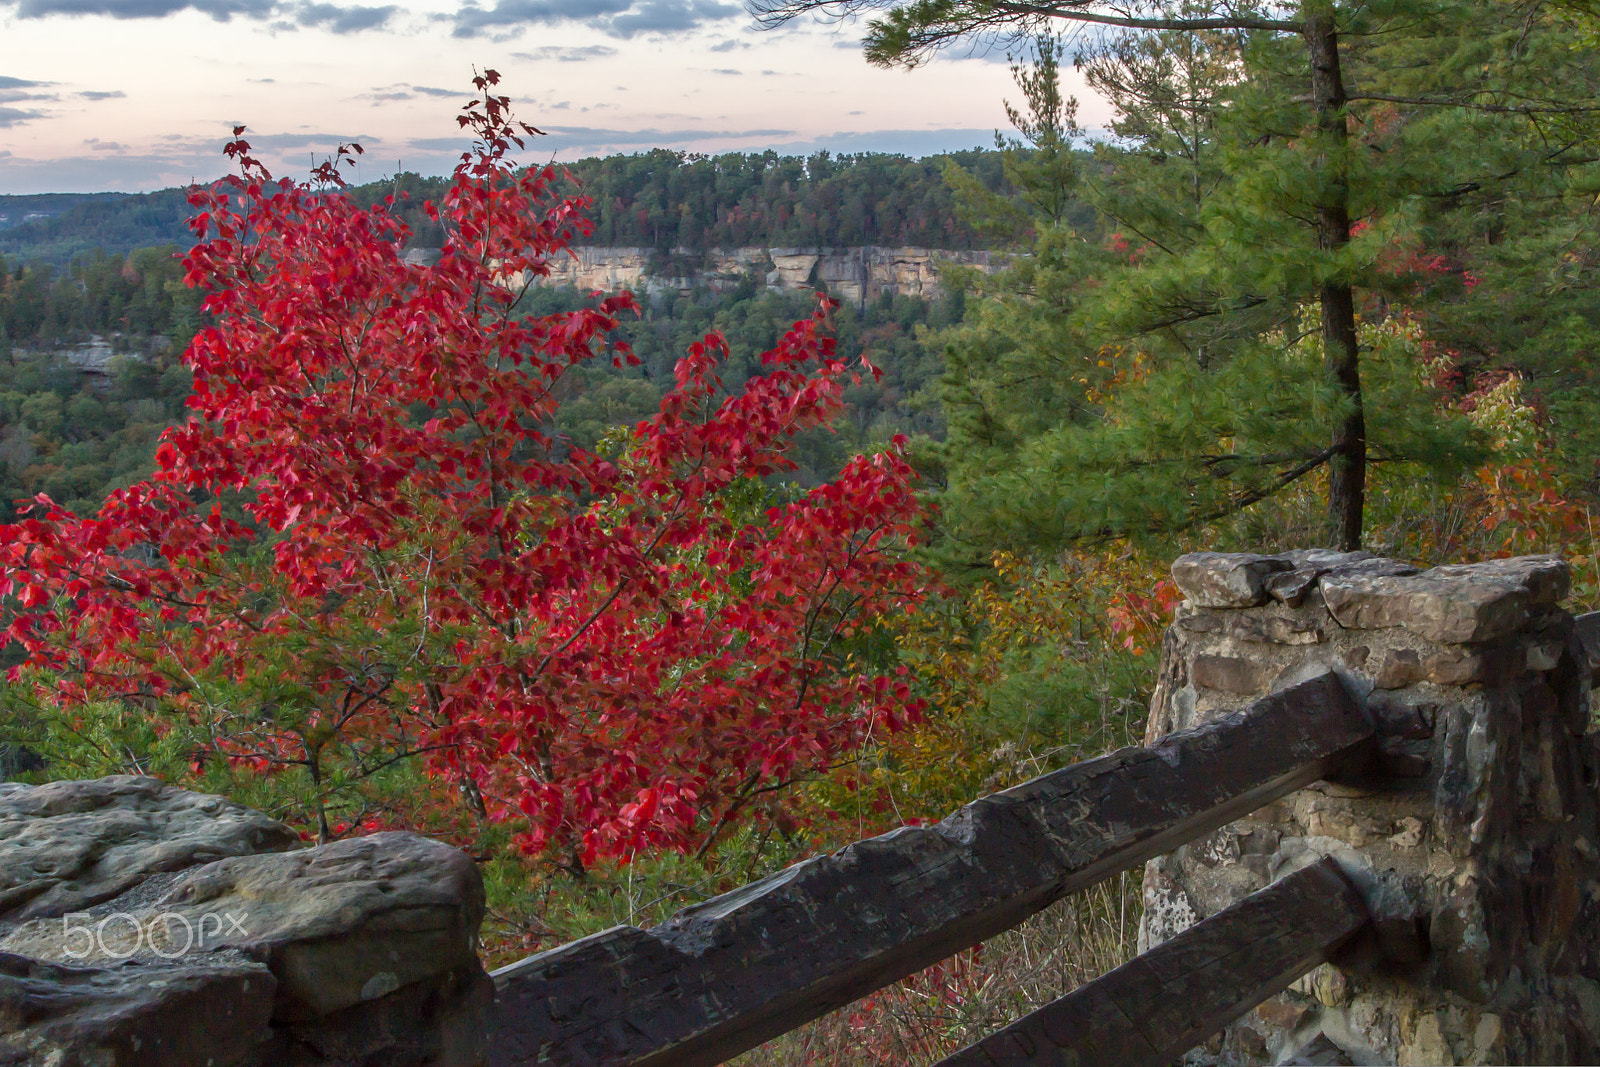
726, 975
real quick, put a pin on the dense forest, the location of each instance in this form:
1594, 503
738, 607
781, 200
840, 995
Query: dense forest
1252, 318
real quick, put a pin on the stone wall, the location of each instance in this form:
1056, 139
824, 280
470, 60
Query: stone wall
1473, 832
142, 925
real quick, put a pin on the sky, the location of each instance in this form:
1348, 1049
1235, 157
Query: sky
134, 95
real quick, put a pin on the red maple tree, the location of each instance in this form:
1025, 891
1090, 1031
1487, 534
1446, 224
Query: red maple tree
367, 546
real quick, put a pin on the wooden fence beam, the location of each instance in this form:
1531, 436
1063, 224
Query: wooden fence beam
1155, 1007
726, 975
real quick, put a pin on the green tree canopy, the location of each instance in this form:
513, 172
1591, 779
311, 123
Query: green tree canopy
1268, 160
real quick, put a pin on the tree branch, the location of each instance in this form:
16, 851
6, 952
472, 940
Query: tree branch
1499, 109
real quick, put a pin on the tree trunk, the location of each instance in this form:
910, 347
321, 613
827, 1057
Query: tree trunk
1347, 471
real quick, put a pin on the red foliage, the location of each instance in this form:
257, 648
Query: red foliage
606, 649
1139, 618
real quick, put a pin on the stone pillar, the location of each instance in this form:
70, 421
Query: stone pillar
1473, 833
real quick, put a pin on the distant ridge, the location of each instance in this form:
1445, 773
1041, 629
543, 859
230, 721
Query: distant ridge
83, 222
660, 200
29, 207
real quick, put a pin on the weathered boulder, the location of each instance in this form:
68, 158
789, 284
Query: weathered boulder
132, 1016
66, 846
348, 922
1226, 579
210, 945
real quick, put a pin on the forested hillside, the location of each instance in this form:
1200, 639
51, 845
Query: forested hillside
113, 223
657, 199
18, 209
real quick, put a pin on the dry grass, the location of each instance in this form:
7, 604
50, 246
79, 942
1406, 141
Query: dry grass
950, 1005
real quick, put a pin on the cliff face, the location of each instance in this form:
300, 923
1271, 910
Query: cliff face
854, 275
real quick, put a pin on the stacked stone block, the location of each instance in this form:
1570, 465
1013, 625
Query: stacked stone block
1472, 829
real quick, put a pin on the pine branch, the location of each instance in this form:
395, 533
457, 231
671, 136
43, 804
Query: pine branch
1229, 507
1498, 109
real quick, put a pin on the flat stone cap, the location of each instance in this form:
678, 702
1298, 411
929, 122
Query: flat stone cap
1454, 604
1460, 603
1546, 579
1247, 580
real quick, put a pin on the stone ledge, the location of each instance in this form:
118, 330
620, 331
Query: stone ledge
1450, 612
1454, 604
204, 947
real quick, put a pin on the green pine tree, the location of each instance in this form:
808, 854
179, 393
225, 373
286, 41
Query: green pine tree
1252, 157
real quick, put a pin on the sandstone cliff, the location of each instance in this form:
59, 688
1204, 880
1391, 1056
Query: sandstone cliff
854, 275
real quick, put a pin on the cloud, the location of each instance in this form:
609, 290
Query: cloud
615, 18
669, 16
325, 141
442, 144
654, 137
102, 94
86, 172
221, 10
14, 90
11, 116
333, 17
728, 44
390, 93
472, 20
344, 19
562, 54
97, 145
725, 70
571, 141
899, 142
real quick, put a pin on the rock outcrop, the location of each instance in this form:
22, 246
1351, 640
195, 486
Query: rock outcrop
1474, 835
854, 275
141, 924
